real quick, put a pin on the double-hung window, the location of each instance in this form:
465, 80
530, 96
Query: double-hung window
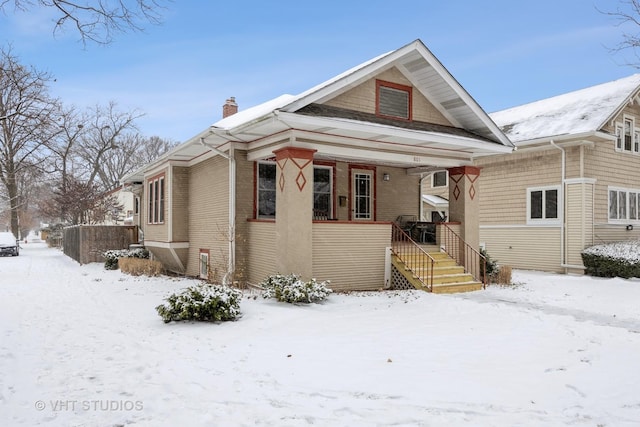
623, 205
393, 100
627, 136
322, 191
156, 200
543, 205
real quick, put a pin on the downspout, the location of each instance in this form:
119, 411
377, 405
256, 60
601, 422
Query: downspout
562, 225
232, 207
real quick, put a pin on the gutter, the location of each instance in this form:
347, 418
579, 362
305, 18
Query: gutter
231, 267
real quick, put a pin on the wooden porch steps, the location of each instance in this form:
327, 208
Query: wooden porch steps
448, 277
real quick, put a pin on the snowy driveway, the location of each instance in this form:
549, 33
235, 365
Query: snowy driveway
81, 346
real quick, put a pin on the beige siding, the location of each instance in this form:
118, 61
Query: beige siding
351, 256
261, 251
180, 204
530, 248
244, 212
398, 196
209, 216
504, 181
615, 233
363, 98
579, 221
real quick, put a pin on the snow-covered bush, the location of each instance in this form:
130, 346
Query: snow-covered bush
621, 259
204, 302
111, 256
293, 290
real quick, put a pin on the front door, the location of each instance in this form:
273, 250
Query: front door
362, 194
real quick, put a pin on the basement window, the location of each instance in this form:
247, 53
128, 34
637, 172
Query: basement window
393, 100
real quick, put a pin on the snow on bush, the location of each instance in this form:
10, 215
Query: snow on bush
111, 256
621, 259
293, 290
203, 302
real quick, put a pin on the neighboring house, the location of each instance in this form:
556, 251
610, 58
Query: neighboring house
125, 199
311, 184
573, 182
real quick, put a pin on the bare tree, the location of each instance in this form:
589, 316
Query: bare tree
28, 113
105, 135
627, 12
98, 20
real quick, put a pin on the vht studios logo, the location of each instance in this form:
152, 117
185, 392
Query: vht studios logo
90, 405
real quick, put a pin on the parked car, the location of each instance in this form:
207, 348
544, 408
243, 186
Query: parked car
9, 245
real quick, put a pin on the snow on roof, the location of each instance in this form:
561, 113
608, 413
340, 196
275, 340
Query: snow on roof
436, 201
253, 113
584, 110
260, 110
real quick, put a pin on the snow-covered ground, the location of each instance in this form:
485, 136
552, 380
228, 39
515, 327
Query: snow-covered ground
82, 346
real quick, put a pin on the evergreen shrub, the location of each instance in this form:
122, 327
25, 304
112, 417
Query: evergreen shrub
291, 289
203, 302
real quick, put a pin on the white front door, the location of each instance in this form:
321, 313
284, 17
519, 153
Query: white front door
362, 194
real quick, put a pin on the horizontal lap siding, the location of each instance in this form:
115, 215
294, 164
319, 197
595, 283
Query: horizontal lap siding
579, 228
351, 256
398, 196
180, 204
615, 233
531, 248
504, 181
261, 251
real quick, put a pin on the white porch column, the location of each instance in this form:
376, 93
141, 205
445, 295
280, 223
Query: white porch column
294, 211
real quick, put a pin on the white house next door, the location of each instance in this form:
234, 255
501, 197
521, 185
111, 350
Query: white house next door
362, 195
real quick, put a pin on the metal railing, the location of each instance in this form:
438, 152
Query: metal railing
473, 261
415, 259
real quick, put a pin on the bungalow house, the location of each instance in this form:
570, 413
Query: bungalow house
573, 182
311, 184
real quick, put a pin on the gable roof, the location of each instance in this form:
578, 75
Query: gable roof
473, 133
582, 111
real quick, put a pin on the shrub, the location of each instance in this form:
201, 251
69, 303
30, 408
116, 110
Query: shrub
620, 259
491, 267
293, 290
139, 267
111, 256
503, 277
204, 302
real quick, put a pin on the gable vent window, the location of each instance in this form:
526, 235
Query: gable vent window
393, 100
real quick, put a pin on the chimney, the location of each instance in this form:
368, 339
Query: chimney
230, 107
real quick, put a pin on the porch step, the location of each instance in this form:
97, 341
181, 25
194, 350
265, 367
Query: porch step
448, 277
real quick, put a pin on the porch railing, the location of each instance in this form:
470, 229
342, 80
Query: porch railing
473, 261
415, 259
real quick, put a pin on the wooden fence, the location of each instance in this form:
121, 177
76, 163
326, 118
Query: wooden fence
87, 243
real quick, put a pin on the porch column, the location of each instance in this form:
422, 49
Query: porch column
464, 202
294, 211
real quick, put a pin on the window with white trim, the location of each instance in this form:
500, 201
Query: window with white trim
393, 100
322, 190
439, 179
156, 200
542, 205
627, 136
623, 205
204, 264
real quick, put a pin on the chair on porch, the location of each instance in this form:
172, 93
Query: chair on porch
407, 223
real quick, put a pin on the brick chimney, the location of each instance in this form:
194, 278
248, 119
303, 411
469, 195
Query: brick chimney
230, 107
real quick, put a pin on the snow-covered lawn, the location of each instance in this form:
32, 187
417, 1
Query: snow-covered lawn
82, 346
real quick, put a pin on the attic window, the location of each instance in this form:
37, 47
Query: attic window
393, 100
627, 136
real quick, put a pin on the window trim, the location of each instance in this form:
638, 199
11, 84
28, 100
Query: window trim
204, 253
446, 179
396, 86
627, 191
543, 220
156, 199
620, 133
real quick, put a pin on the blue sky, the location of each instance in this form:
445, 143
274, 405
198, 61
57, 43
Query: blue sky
504, 53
